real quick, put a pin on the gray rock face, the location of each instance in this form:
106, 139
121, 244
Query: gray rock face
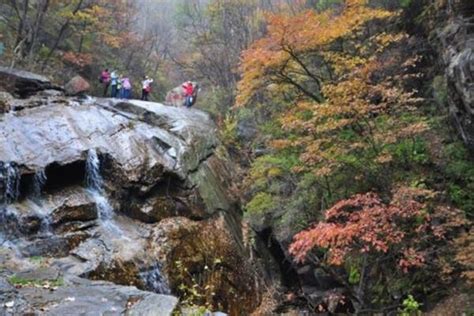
83, 297
22, 83
138, 136
457, 40
86, 185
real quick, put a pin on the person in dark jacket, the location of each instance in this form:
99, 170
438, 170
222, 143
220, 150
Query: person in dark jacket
105, 80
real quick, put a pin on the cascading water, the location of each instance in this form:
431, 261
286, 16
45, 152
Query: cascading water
10, 185
93, 178
155, 281
95, 184
39, 180
11, 177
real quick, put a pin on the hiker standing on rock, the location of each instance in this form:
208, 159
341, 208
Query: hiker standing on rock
119, 92
114, 84
188, 94
146, 88
126, 88
105, 80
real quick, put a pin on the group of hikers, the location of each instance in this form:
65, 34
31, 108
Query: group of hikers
121, 87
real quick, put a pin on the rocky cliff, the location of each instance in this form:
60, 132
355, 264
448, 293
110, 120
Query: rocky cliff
457, 52
130, 193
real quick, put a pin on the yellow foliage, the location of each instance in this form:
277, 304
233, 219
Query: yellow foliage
308, 32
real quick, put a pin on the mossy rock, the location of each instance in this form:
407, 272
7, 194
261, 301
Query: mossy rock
205, 265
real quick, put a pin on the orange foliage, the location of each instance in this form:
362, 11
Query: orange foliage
291, 36
363, 224
78, 59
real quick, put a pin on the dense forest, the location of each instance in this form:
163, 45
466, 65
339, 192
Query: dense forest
352, 157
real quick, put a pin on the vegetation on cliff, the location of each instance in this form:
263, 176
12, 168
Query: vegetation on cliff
337, 112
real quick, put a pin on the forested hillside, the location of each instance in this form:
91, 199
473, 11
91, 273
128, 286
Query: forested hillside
346, 124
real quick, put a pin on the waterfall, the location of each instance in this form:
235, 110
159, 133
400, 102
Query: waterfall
93, 178
11, 177
155, 281
39, 180
95, 185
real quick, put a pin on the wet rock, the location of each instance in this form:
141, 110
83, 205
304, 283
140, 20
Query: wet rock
73, 205
206, 251
153, 209
5, 102
51, 93
52, 246
154, 163
153, 305
77, 85
211, 182
135, 146
22, 83
27, 217
83, 297
38, 276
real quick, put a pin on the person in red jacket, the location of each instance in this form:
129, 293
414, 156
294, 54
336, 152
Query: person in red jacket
105, 80
188, 93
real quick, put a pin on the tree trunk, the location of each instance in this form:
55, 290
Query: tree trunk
61, 33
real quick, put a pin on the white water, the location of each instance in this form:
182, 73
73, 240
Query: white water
39, 180
95, 185
12, 183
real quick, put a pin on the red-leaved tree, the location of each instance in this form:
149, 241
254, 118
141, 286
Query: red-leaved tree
381, 241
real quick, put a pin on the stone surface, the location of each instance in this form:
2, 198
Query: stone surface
117, 191
22, 83
139, 136
457, 50
5, 102
208, 251
76, 86
82, 297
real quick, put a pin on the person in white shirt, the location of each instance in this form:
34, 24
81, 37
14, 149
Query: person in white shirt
146, 88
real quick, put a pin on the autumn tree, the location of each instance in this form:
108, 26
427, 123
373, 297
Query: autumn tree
291, 54
344, 116
344, 123
378, 242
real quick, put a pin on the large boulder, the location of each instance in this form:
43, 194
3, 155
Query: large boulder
457, 51
23, 83
45, 292
120, 191
76, 86
205, 257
